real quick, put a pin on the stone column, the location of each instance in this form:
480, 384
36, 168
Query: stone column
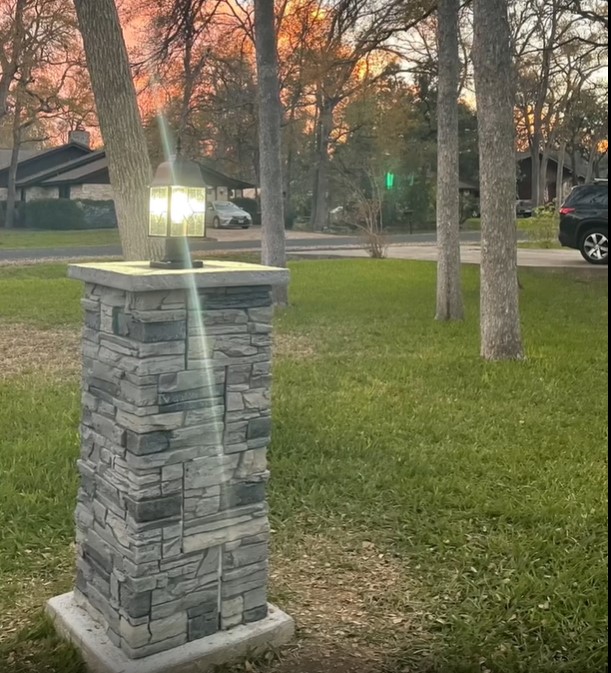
172, 526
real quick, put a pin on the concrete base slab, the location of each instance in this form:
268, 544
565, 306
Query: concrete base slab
102, 656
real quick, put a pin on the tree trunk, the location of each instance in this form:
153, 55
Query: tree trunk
290, 158
9, 70
543, 193
591, 162
597, 167
500, 317
535, 154
449, 294
320, 207
560, 177
120, 124
574, 169
11, 195
187, 91
273, 245
288, 185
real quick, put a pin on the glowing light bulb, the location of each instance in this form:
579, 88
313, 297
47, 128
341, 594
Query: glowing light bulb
159, 206
181, 208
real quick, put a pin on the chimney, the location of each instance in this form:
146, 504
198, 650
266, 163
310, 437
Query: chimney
81, 137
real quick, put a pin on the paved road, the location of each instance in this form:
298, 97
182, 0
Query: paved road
227, 242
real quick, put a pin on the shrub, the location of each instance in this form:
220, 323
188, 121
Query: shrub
543, 226
419, 201
469, 207
548, 210
54, 214
98, 214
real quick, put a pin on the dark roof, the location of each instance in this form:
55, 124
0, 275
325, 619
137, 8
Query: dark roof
85, 164
44, 161
5, 156
76, 167
582, 166
79, 174
214, 178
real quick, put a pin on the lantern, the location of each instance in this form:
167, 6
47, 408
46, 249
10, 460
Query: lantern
177, 210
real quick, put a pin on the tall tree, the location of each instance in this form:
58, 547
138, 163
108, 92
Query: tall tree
538, 29
501, 337
120, 123
177, 46
46, 64
354, 30
12, 36
596, 13
273, 245
554, 54
449, 295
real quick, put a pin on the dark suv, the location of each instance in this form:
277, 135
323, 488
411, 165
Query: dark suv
584, 222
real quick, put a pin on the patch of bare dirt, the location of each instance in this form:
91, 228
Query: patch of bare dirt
25, 349
293, 346
22, 596
310, 658
353, 603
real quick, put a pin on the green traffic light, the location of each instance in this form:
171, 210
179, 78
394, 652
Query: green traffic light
390, 180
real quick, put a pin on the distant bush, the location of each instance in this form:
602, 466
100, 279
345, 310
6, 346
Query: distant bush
251, 206
419, 202
548, 210
54, 214
469, 207
544, 225
98, 214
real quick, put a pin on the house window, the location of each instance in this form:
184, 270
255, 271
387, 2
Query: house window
64, 191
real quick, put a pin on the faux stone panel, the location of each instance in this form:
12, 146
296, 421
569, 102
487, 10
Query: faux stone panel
172, 526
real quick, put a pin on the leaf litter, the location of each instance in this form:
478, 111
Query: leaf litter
25, 350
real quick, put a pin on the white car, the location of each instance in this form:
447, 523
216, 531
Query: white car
226, 215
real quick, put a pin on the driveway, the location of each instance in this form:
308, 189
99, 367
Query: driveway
471, 254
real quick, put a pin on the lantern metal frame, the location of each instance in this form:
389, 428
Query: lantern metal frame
177, 211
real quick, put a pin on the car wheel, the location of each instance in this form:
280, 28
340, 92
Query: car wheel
595, 246
216, 223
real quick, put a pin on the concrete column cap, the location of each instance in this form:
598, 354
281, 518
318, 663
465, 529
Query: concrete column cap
140, 277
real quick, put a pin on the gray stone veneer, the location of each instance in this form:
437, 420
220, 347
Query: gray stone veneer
172, 526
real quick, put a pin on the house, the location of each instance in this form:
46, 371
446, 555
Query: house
221, 187
525, 168
52, 173
524, 163
75, 171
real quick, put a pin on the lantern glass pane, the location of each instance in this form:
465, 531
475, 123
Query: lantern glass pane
188, 212
196, 224
179, 211
158, 217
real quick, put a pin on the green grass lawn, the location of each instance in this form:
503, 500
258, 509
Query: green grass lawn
484, 483
40, 295
19, 239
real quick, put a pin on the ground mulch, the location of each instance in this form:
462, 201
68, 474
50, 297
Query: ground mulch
349, 598
25, 349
